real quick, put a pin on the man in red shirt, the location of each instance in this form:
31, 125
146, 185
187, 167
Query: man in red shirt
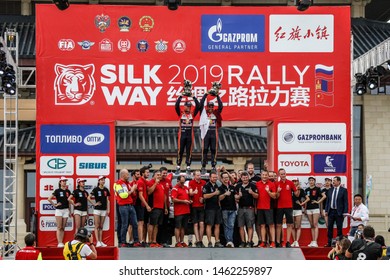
29, 252
164, 235
142, 207
197, 209
266, 192
159, 208
181, 200
284, 191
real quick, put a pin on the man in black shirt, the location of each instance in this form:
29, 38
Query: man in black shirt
213, 216
227, 200
366, 248
251, 172
247, 193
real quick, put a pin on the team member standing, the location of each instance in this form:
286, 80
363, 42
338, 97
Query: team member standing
213, 216
62, 208
336, 208
299, 201
197, 209
101, 208
251, 171
163, 235
124, 191
314, 197
227, 199
142, 206
186, 130
247, 193
80, 204
159, 208
266, 192
284, 190
29, 252
210, 122
181, 201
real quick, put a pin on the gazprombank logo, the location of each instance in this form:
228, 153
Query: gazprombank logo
74, 84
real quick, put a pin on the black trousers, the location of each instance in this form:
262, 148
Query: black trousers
339, 219
210, 141
185, 141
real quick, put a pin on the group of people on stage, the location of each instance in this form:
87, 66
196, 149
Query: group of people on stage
240, 204
210, 121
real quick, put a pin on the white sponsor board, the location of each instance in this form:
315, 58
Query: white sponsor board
56, 165
312, 137
48, 185
301, 33
48, 223
294, 163
90, 165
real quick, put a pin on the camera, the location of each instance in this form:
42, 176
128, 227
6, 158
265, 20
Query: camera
333, 243
187, 88
216, 86
149, 166
359, 234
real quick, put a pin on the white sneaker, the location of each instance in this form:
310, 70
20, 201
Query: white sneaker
296, 244
314, 244
311, 244
103, 244
60, 245
98, 244
230, 245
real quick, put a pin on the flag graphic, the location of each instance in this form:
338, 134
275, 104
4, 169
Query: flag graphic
324, 89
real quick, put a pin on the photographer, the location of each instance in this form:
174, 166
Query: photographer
366, 248
209, 123
186, 126
340, 246
81, 247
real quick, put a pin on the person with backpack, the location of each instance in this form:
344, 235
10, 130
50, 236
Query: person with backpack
365, 248
81, 247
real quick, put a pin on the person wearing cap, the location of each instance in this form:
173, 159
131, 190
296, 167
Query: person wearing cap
314, 197
61, 196
210, 121
79, 200
101, 208
298, 203
186, 131
81, 246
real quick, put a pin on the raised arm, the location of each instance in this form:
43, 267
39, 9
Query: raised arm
177, 106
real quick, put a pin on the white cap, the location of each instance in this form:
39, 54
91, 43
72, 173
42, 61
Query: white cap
63, 178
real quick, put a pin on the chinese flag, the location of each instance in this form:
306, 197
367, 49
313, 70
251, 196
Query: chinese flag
324, 99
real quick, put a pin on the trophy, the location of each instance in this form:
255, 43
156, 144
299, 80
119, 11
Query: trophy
216, 86
187, 88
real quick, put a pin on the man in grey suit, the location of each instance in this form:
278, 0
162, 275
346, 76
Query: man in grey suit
336, 208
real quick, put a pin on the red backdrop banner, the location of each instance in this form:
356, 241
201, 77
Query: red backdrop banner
98, 64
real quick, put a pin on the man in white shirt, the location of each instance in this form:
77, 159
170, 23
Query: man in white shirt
359, 215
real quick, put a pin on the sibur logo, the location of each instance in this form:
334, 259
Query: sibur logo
56, 163
93, 139
74, 84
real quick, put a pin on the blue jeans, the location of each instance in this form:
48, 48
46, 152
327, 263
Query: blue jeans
128, 216
228, 218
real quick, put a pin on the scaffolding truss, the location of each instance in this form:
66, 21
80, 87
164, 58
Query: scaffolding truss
9, 44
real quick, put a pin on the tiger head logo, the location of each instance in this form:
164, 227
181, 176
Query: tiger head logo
74, 84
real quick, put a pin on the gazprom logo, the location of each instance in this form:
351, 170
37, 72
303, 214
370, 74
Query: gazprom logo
216, 35
93, 139
232, 33
56, 163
